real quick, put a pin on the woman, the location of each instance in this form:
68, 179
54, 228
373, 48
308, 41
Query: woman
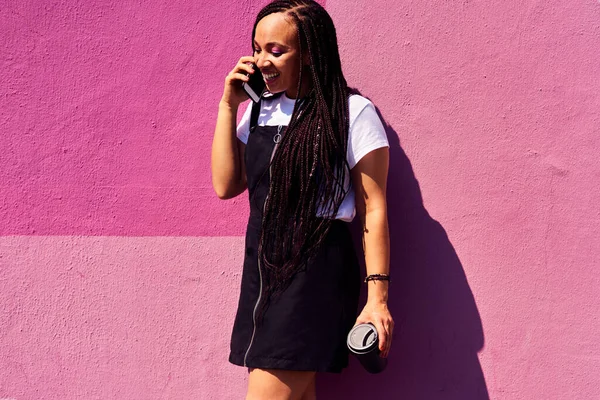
311, 155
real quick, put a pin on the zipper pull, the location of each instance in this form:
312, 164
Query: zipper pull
277, 137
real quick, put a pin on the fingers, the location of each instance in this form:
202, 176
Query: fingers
233, 95
246, 60
245, 65
384, 338
244, 68
241, 70
237, 76
389, 330
385, 330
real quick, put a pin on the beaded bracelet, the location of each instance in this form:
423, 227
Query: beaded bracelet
378, 277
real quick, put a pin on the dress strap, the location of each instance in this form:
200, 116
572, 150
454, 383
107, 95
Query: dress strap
254, 115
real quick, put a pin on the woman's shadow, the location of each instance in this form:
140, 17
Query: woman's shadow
438, 329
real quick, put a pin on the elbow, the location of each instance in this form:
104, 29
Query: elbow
226, 189
223, 193
220, 188
224, 196
226, 192
374, 212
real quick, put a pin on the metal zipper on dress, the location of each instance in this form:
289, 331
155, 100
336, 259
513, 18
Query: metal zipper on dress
276, 139
254, 314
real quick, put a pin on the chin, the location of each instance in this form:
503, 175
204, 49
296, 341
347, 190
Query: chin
275, 89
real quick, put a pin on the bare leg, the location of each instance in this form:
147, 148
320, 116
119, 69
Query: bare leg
311, 391
274, 384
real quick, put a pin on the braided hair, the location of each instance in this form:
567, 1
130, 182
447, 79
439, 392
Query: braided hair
309, 168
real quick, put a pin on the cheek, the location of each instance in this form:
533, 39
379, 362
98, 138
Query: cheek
291, 62
293, 68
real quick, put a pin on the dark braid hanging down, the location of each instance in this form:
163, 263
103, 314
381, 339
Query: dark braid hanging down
309, 168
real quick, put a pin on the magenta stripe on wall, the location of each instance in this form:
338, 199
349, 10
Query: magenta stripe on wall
108, 116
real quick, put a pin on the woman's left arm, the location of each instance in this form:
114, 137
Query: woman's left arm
369, 177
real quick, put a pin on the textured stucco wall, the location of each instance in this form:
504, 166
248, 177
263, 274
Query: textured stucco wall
119, 268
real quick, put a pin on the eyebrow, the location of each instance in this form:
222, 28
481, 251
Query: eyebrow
271, 44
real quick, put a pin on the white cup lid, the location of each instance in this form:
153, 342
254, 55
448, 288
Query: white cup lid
362, 337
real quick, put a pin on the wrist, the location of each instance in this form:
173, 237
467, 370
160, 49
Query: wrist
377, 300
377, 277
227, 106
377, 292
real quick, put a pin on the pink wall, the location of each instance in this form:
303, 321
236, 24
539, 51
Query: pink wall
119, 267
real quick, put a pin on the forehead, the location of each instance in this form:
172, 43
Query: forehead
276, 28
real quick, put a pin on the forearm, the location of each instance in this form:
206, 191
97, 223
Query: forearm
225, 163
376, 245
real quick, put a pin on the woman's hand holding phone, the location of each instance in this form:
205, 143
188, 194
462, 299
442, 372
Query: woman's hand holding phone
233, 93
255, 87
227, 155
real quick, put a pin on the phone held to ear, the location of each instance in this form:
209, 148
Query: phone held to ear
255, 87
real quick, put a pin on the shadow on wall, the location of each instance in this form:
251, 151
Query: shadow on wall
438, 329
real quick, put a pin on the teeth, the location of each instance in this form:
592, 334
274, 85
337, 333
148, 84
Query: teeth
270, 76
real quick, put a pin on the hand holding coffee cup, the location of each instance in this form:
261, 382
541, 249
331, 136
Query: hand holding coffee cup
363, 342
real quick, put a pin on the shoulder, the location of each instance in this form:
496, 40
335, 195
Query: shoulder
362, 112
356, 105
366, 132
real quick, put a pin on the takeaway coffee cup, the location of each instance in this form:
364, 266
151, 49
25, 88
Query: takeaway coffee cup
363, 342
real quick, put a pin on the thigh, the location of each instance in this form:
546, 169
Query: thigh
311, 391
274, 384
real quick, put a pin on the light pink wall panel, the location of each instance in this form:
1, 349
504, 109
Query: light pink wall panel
118, 317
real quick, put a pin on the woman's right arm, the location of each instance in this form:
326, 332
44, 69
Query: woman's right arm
227, 157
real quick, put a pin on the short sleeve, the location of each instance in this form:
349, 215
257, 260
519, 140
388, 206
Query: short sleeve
243, 128
366, 134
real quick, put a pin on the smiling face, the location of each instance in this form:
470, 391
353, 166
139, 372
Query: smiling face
277, 55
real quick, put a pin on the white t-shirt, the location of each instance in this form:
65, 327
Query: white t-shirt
366, 134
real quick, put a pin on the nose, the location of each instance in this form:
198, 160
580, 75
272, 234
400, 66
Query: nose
261, 60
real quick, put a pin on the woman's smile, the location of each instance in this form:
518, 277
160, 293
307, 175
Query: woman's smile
270, 77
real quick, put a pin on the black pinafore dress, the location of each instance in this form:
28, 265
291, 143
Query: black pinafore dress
305, 328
